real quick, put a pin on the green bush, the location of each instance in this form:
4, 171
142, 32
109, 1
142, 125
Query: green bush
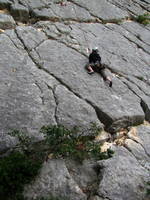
63, 143
16, 170
143, 19
148, 189
24, 140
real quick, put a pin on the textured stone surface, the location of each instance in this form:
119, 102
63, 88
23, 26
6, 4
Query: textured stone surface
72, 111
6, 21
102, 9
54, 179
26, 98
51, 45
7, 142
43, 81
143, 133
20, 12
122, 177
137, 150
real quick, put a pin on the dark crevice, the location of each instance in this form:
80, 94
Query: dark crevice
137, 36
144, 7
102, 116
121, 7
139, 144
138, 46
69, 46
138, 160
128, 79
146, 110
97, 19
39, 87
12, 40
56, 101
130, 40
142, 103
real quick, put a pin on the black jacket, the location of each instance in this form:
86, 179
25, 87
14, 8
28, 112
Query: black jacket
94, 57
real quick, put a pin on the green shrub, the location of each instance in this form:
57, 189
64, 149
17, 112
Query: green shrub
143, 19
16, 170
24, 140
148, 189
63, 143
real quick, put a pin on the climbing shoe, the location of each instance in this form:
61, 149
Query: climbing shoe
91, 72
110, 84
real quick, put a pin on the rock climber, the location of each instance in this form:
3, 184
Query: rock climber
95, 65
63, 3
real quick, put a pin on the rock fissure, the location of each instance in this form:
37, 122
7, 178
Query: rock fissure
144, 7
62, 83
39, 86
65, 43
137, 85
56, 101
138, 45
11, 40
134, 42
41, 91
138, 37
143, 104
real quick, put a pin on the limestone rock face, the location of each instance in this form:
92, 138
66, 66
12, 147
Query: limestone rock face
63, 186
44, 49
122, 177
57, 48
6, 21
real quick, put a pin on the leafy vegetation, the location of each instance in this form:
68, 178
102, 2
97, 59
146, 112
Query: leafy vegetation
22, 165
143, 19
24, 140
63, 143
16, 170
148, 189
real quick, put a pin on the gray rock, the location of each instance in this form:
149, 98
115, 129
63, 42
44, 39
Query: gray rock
44, 81
26, 34
131, 36
27, 101
117, 107
6, 21
122, 177
54, 179
7, 142
84, 174
19, 12
143, 133
73, 111
103, 9
139, 87
58, 13
4, 3
138, 30
82, 84
137, 150
134, 7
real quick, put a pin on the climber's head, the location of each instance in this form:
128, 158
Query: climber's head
95, 49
